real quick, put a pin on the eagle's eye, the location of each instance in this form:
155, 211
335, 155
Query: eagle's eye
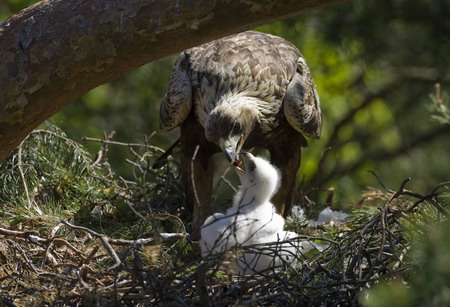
236, 128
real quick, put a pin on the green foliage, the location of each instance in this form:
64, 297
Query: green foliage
440, 106
432, 277
50, 174
389, 294
10, 7
51, 177
374, 64
428, 282
128, 105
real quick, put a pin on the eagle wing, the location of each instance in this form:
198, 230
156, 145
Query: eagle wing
262, 65
301, 102
177, 101
251, 64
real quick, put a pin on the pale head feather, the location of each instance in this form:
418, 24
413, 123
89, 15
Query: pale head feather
235, 112
259, 183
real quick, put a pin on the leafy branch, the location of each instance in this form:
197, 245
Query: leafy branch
440, 106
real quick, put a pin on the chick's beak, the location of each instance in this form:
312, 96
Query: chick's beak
238, 163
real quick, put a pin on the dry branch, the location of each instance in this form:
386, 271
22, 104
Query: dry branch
124, 242
29, 235
109, 141
353, 259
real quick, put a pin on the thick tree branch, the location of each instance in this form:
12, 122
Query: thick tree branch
56, 50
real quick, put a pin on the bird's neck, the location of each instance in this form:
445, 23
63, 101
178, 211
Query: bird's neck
250, 197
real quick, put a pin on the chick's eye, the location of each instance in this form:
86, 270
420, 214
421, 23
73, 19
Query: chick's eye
252, 167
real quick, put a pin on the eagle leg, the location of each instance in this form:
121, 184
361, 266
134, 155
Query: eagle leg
197, 171
287, 159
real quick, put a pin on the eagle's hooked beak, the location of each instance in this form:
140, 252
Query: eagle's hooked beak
230, 154
231, 147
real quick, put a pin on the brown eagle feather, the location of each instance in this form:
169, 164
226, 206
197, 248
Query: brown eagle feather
253, 84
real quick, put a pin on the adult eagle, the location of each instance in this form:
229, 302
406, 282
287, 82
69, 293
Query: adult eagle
245, 90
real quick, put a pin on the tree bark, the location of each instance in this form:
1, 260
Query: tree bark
54, 51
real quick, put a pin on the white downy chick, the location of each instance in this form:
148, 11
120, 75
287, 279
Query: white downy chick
251, 220
252, 217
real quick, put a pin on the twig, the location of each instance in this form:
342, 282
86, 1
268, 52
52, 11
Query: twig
58, 135
103, 239
224, 179
30, 264
161, 161
202, 290
101, 154
124, 242
81, 274
443, 184
91, 255
70, 246
383, 214
131, 206
194, 156
29, 235
24, 182
122, 144
378, 179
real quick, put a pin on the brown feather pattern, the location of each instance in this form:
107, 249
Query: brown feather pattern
251, 64
257, 82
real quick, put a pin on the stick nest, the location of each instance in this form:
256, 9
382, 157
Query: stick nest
72, 232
